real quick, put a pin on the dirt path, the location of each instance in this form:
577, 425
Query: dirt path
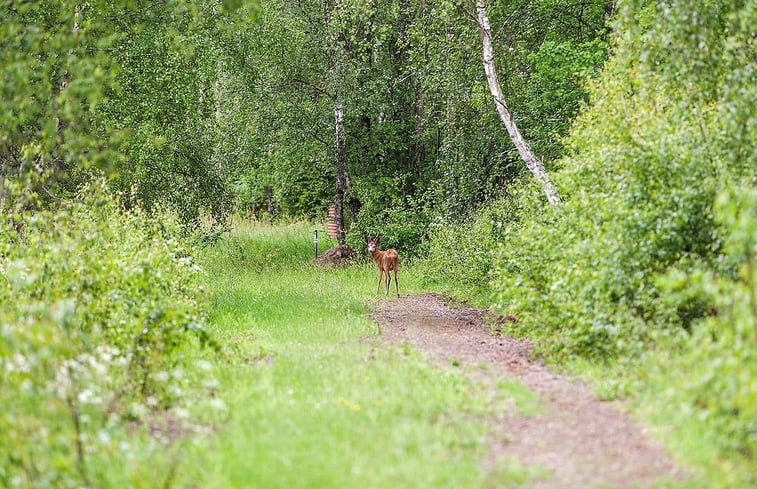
578, 441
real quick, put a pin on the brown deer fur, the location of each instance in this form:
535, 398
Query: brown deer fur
386, 261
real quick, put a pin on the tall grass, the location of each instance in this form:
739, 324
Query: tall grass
313, 398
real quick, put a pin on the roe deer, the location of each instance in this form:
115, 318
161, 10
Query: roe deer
386, 261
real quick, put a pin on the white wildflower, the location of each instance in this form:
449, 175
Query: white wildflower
87, 396
99, 368
217, 404
138, 410
17, 363
103, 436
181, 413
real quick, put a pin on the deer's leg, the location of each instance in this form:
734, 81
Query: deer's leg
388, 281
396, 284
380, 276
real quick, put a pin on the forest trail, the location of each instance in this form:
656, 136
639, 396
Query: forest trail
576, 441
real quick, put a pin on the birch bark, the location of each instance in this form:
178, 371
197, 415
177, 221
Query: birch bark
535, 166
340, 167
342, 180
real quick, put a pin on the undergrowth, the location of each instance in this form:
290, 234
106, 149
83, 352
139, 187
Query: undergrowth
646, 268
314, 399
101, 310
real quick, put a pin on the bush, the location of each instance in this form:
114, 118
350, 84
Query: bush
643, 264
462, 252
401, 222
648, 158
718, 371
100, 309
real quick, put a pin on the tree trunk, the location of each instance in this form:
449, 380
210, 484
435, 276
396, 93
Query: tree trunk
420, 129
340, 167
534, 165
420, 111
342, 180
269, 202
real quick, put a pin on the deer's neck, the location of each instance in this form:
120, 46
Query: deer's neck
376, 254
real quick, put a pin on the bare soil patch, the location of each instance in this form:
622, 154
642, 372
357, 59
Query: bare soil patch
336, 256
578, 441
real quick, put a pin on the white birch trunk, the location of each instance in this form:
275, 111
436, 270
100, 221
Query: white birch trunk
342, 178
342, 181
535, 165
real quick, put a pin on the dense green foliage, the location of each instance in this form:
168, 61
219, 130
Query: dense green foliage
644, 111
53, 77
422, 138
126, 87
639, 254
167, 102
649, 159
204, 105
99, 310
462, 253
718, 372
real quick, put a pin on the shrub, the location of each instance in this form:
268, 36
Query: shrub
402, 222
100, 309
718, 370
650, 154
462, 252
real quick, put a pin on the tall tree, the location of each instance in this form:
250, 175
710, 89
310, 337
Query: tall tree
535, 166
342, 181
342, 176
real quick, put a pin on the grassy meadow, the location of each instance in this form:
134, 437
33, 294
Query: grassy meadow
312, 399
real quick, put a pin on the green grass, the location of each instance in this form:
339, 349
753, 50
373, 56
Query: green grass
313, 399
646, 385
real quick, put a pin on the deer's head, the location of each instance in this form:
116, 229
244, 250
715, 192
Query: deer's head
372, 243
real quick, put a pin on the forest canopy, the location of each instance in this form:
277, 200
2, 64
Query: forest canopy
217, 107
